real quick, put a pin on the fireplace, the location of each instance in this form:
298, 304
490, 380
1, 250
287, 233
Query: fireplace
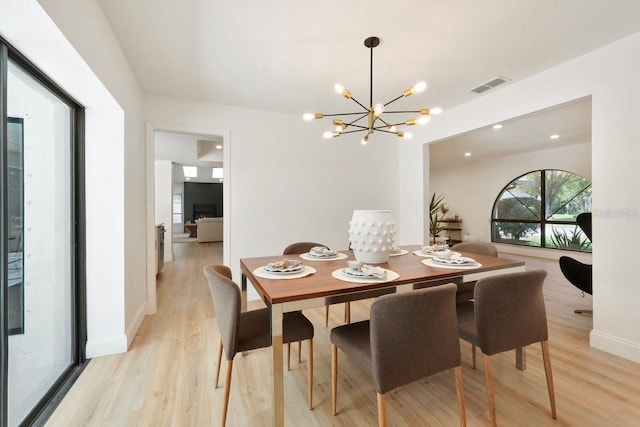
205, 211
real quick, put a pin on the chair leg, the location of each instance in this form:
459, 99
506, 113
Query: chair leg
299, 351
547, 370
473, 356
326, 316
310, 372
347, 312
462, 413
227, 388
382, 410
288, 356
334, 377
492, 397
219, 360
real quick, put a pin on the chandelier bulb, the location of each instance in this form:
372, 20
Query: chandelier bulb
327, 135
378, 110
340, 90
416, 88
435, 110
424, 120
392, 128
364, 140
408, 135
420, 86
307, 117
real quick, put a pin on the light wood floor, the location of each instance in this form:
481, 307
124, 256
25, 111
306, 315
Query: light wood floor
166, 378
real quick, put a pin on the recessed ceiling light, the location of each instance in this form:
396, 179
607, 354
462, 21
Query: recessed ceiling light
497, 126
190, 171
219, 147
217, 173
554, 136
467, 154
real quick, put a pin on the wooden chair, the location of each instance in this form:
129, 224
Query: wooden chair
508, 312
250, 330
410, 336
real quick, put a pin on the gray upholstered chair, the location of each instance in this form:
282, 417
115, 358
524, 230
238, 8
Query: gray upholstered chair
508, 312
410, 336
465, 289
250, 330
295, 249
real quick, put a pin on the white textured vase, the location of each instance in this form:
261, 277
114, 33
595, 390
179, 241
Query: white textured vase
371, 233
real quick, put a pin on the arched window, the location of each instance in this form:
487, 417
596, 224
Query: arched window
540, 208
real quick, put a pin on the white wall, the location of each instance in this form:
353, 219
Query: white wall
71, 41
470, 189
610, 76
287, 184
164, 203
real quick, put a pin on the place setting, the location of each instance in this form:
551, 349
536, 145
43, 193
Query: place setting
452, 260
435, 251
284, 269
396, 251
322, 253
359, 272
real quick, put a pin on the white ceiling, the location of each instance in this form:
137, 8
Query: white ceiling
284, 55
571, 122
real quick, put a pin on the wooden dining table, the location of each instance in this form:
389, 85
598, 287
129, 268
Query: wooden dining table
311, 291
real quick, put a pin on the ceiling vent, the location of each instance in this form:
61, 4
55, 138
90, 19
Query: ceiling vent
490, 84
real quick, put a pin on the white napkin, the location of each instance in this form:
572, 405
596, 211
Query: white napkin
429, 250
322, 251
368, 270
455, 260
284, 265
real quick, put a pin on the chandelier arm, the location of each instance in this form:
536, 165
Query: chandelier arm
389, 125
345, 114
354, 131
394, 100
358, 102
386, 131
359, 127
402, 111
357, 120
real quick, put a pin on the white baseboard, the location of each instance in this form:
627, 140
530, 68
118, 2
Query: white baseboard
614, 345
135, 324
106, 347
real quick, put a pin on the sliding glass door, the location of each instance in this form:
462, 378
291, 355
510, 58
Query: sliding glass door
43, 329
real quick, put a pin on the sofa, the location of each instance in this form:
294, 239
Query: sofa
210, 229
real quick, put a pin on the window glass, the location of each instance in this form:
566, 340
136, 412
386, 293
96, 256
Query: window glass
540, 209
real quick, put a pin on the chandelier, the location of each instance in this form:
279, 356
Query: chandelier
374, 113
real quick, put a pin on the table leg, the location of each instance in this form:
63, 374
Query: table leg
278, 374
521, 358
243, 291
